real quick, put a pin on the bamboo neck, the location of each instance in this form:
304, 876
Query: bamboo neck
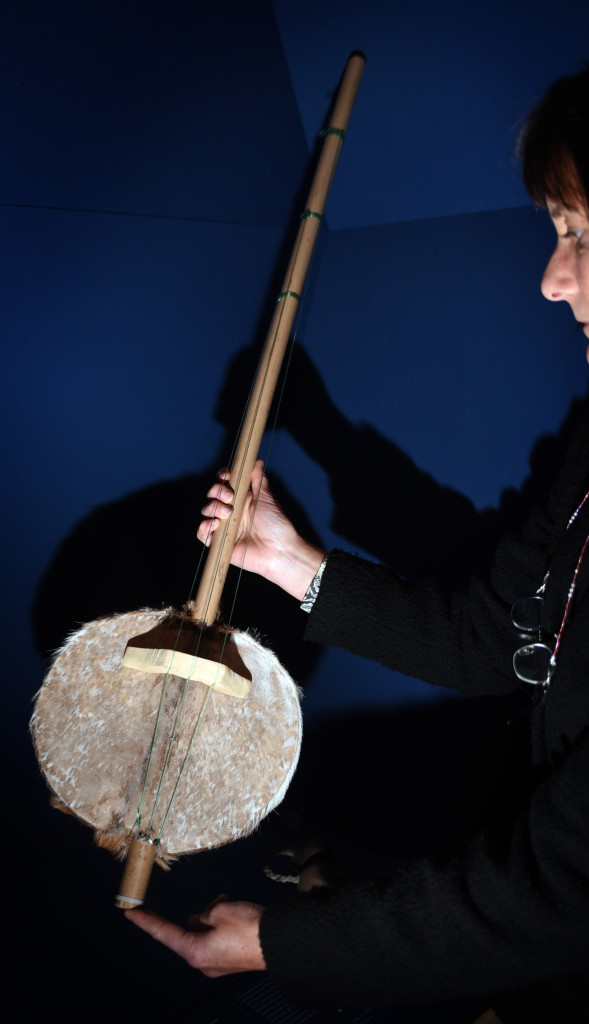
208, 597
135, 880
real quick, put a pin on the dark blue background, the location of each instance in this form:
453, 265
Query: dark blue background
153, 157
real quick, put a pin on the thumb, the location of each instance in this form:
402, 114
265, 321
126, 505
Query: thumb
259, 478
197, 923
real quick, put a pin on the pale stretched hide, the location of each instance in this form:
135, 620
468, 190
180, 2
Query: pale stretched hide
93, 727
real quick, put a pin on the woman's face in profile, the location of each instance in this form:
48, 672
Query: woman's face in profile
567, 274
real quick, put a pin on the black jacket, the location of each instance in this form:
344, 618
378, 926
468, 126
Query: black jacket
510, 909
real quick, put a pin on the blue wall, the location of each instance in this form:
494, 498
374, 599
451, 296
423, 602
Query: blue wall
153, 157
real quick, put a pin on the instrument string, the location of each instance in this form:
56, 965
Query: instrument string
236, 481
176, 725
195, 579
300, 299
272, 432
195, 735
162, 703
200, 635
209, 695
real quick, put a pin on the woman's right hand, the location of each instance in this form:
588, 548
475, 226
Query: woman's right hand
267, 542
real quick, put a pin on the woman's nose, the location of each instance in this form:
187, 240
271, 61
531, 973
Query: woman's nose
559, 281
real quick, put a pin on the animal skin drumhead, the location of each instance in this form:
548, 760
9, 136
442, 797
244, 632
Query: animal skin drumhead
93, 729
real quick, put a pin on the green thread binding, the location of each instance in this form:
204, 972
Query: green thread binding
311, 213
333, 131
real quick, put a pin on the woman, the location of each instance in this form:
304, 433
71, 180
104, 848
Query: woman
509, 910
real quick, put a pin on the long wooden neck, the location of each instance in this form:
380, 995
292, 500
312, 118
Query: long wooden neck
206, 604
142, 853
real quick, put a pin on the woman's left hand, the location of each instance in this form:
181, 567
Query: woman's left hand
224, 939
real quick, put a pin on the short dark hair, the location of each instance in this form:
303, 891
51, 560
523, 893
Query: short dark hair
554, 143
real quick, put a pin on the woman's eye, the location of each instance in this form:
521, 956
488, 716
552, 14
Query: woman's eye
581, 234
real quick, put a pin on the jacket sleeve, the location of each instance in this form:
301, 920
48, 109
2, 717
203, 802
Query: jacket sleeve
453, 636
508, 910
460, 639
456, 637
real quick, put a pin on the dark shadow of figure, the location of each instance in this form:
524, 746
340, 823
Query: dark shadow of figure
456, 758
140, 552
432, 530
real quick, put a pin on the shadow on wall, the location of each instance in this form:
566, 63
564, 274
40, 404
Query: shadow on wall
141, 551
432, 530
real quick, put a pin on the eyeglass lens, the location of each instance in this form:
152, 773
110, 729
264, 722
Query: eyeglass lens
532, 663
526, 614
